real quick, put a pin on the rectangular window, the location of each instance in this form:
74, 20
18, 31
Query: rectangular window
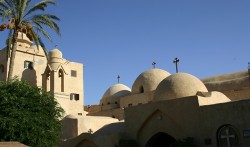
74, 96
28, 65
129, 105
73, 73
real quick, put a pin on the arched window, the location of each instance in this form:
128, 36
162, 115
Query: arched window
227, 137
141, 89
61, 75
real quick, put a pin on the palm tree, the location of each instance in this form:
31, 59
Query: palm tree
21, 17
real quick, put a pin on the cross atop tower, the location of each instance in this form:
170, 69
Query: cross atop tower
176, 60
118, 78
90, 131
154, 63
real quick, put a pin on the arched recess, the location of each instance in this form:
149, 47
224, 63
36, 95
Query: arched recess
227, 136
86, 143
61, 76
46, 79
157, 122
141, 89
160, 139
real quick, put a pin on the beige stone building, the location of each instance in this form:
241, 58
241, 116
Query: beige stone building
54, 74
162, 108
159, 109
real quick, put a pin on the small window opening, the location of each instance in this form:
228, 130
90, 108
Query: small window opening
113, 116
74, 96
73, 73
28, 65
130, 105
108, 103
116, 103
141, 89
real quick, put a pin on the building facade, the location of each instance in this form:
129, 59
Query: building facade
54, 74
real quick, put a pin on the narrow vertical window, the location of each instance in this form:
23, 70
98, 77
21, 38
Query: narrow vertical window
61, 76
141, 89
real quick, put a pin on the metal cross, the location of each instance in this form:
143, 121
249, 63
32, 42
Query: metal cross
176, 60
90, 131
227, 136
154, 63
118, 78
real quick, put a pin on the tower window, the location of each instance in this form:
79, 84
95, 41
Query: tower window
73, 73
74, 96
141, 89
28, 65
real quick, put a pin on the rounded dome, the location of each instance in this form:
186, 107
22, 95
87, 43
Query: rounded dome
149, 80
177, 86
55, 53
117, 90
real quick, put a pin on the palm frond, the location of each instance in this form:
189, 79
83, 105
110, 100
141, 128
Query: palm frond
22, 8
43, 47
3, 6
6, 14
27, 5
40, 6
10, 3
47, 21
40, 29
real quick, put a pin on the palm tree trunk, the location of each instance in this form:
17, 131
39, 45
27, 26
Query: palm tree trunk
13, 54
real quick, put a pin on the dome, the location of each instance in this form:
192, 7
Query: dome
117, 90
149, 80
55, 53
177, 86
55, 59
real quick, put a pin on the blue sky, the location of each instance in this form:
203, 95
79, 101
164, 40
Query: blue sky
124, 37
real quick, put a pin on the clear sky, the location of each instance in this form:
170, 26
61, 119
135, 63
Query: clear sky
124, 37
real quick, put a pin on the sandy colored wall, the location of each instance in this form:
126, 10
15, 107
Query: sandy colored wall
136, 99
180, 118
116, 113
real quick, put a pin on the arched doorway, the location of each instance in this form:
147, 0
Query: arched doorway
160, 140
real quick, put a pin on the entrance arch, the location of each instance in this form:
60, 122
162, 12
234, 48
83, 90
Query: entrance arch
160, 140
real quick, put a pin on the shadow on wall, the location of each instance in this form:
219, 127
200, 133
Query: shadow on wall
29, 75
